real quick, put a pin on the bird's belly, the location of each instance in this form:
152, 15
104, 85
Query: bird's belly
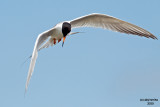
57, 35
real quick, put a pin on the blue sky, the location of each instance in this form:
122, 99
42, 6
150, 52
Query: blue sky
98, 68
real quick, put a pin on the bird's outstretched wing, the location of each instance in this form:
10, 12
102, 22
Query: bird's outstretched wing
40, 40
111, 23
51, 42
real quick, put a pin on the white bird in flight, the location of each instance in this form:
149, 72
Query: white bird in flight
63, 29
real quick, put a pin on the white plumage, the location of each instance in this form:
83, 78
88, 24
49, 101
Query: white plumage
93, 20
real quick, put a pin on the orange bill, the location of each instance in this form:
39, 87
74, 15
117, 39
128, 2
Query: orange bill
63, 41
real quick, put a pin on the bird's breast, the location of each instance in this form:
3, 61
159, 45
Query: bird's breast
58, 33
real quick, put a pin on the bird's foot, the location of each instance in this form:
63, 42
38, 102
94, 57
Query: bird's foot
59, 40
54, 41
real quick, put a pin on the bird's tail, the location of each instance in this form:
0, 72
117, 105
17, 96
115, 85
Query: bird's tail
26, 60
72, 33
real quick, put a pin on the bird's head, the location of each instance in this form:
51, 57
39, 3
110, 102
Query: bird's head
66, 28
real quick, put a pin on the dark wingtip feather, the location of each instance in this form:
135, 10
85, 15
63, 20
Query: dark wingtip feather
153, 37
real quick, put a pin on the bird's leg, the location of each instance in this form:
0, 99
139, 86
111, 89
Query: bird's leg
54, 41
59, 40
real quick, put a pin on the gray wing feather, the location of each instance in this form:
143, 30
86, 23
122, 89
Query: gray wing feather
47, 44
40, 39
111, 23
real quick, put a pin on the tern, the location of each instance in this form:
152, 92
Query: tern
63, 29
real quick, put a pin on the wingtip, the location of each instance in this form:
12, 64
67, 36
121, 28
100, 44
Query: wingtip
26, 87
156, 38
153, 37
25, 92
